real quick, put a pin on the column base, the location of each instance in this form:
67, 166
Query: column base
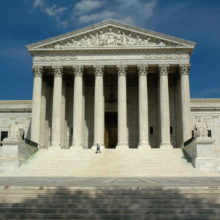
124, 146
76, 146
55, 146
144, 145
166, 146
65, 147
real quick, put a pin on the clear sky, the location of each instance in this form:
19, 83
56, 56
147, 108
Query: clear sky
27, 21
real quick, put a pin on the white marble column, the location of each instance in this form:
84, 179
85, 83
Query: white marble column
36, 104
99, 107
57, 107
143, 107
164, 108
185, 100
122, 107
78, 107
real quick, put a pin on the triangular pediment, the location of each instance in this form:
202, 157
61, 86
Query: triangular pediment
111, 34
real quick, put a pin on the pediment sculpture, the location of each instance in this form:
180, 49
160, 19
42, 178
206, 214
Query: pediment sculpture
112, 37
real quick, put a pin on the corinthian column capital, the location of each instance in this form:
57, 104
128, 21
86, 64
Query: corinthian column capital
163, 68
78, 70
122, 69
37, 71
57, 71
99, 70
143, 70
184, 69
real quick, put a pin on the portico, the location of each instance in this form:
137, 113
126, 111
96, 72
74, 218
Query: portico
142, 77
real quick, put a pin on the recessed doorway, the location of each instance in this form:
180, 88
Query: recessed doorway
111, 129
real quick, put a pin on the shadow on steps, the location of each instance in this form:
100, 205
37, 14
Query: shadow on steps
109, 203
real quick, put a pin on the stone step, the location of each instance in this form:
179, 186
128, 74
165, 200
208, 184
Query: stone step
106, 210
53, 162
110, 216
111, 201
112, 197
136, 205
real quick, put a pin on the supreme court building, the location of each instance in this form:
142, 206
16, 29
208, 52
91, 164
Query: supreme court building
111, 84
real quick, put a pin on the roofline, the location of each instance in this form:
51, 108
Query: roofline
190, 44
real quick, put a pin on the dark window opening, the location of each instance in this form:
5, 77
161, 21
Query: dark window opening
4, 134
209, 133
192, 133
151, 130
171, 130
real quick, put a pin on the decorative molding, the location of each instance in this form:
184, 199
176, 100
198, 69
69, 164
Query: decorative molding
37, 71
122, 69
78, 70
184, 69
163, 69
99, 70
164, 55
68, 56
58, 71
142, 70
65, 57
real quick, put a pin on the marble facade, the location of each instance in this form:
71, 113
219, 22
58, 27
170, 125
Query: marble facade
116, 85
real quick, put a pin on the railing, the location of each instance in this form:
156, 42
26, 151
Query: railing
32, 143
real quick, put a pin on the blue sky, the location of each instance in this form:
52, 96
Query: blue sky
27, 21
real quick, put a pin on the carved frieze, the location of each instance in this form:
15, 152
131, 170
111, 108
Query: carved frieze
111, 37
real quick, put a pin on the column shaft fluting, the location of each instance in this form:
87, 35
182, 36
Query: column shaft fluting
185, 100
36, 104
164, 107
122, 107
78, 107
57, 108
99, 107
143, 107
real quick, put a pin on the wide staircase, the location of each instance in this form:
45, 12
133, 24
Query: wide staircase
19, 202
77, 162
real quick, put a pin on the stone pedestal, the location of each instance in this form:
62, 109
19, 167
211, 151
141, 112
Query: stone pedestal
201, 152
13, 154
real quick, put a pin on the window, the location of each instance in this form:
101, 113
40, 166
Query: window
209, 133
4, 134
151, 130
171, 130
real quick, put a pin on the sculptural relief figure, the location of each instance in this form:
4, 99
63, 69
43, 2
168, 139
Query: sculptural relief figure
110, 37
16, 130
200, 129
